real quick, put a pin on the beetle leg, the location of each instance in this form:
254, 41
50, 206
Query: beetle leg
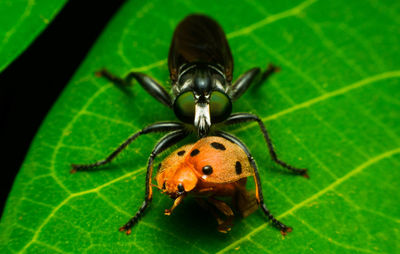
245, 80
177, 201
166, 142
148, 83
206, 190
245, 201
222, 206
226, 225
223, 225
246, 117
208, 207
282, 227
156, 127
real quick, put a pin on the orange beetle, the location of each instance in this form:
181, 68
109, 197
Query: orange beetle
211, 167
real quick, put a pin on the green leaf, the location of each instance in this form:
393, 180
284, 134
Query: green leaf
21, 22
333, 108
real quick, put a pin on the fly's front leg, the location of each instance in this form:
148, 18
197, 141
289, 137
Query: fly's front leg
157, 127
148, 83
243, 82
166, 142
259, 196
247, 117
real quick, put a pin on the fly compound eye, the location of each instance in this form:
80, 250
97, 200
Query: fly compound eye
220, 106
180, 188
184, 107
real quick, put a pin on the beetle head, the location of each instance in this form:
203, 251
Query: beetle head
177, 183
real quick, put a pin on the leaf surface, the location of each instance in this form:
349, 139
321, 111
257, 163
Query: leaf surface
333, 108
21, 22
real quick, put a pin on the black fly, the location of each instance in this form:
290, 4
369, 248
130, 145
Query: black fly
201, 67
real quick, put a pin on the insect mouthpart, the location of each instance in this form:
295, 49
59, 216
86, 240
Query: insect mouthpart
202, 119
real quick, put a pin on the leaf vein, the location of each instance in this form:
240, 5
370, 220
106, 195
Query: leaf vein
245, 30
55, 210
330, 240
330, 187
270, 19
343, 90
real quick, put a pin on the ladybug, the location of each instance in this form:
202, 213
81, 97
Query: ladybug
212, 167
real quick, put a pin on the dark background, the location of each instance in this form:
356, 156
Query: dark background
31, 84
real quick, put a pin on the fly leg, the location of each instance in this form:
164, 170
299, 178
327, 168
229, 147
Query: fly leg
259, 196
149, 84
156, 127
166, 142
271, 69
247, 117
245, 80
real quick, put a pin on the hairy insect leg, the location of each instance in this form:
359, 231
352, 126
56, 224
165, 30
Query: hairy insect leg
149, 84
156, 127
166, 142
247, 117
245, 80
260, 199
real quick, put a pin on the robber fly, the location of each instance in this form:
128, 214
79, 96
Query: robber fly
201, 67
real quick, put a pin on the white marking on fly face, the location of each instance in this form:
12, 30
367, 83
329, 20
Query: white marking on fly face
202, 118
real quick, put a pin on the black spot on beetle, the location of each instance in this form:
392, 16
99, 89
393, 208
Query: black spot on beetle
194, 152
181, 189
180, 153
238, 167
207, 170
218, 146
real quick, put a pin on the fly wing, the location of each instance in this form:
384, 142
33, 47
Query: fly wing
199, 38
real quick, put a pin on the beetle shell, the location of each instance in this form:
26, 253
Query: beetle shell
212, 165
